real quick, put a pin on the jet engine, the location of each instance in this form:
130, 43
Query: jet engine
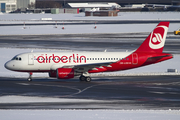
65, 73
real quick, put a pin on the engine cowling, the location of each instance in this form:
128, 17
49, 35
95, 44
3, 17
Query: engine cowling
65, 73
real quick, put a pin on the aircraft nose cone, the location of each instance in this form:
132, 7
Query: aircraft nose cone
7, 65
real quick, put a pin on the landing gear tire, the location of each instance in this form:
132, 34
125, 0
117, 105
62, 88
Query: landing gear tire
29, 79
88, 79
82, 78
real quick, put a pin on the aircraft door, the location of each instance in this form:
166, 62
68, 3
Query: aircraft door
134, 58
30, 59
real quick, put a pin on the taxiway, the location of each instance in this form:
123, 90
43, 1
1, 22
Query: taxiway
134, 92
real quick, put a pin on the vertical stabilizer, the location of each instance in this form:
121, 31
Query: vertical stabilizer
154, 43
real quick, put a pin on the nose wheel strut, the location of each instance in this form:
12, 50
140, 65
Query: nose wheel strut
30, 77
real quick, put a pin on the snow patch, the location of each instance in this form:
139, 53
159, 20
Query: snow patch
90, 114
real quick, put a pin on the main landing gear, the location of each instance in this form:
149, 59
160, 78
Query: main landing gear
30, 77
85, 78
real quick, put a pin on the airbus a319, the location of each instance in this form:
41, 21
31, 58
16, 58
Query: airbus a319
66, 65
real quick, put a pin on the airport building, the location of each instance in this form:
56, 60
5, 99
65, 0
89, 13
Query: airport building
7, 6
121, 2
25, 3
92, 6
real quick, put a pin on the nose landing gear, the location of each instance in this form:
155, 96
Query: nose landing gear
30, 77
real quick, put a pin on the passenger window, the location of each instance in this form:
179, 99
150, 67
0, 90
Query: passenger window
20, 59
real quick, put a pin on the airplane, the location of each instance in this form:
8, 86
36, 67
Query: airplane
67, 65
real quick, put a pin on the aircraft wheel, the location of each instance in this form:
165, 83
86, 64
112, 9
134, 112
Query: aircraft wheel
82, 78
88, 79
29, 79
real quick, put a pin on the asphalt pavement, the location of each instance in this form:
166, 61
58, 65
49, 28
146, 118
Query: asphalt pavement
128, 92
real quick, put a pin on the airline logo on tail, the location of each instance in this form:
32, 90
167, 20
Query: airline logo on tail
158, 37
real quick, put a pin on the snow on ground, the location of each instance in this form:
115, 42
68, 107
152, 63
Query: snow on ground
90, 114
75, 29
81, 16
27, 99
80, 29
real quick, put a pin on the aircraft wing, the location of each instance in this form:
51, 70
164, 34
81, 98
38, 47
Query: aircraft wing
86, 67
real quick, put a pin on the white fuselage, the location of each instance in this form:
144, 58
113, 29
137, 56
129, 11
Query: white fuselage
39, 62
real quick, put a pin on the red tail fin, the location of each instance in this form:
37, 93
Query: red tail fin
156, 40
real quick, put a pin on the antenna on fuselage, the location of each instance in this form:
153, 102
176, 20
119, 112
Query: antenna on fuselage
31, 50
105, 50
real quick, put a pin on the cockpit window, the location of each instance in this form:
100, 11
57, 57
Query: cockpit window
13, 58
16, 58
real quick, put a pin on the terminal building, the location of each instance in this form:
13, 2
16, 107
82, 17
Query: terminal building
7, 6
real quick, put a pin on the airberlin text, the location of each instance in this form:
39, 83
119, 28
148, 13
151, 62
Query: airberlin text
74, 58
